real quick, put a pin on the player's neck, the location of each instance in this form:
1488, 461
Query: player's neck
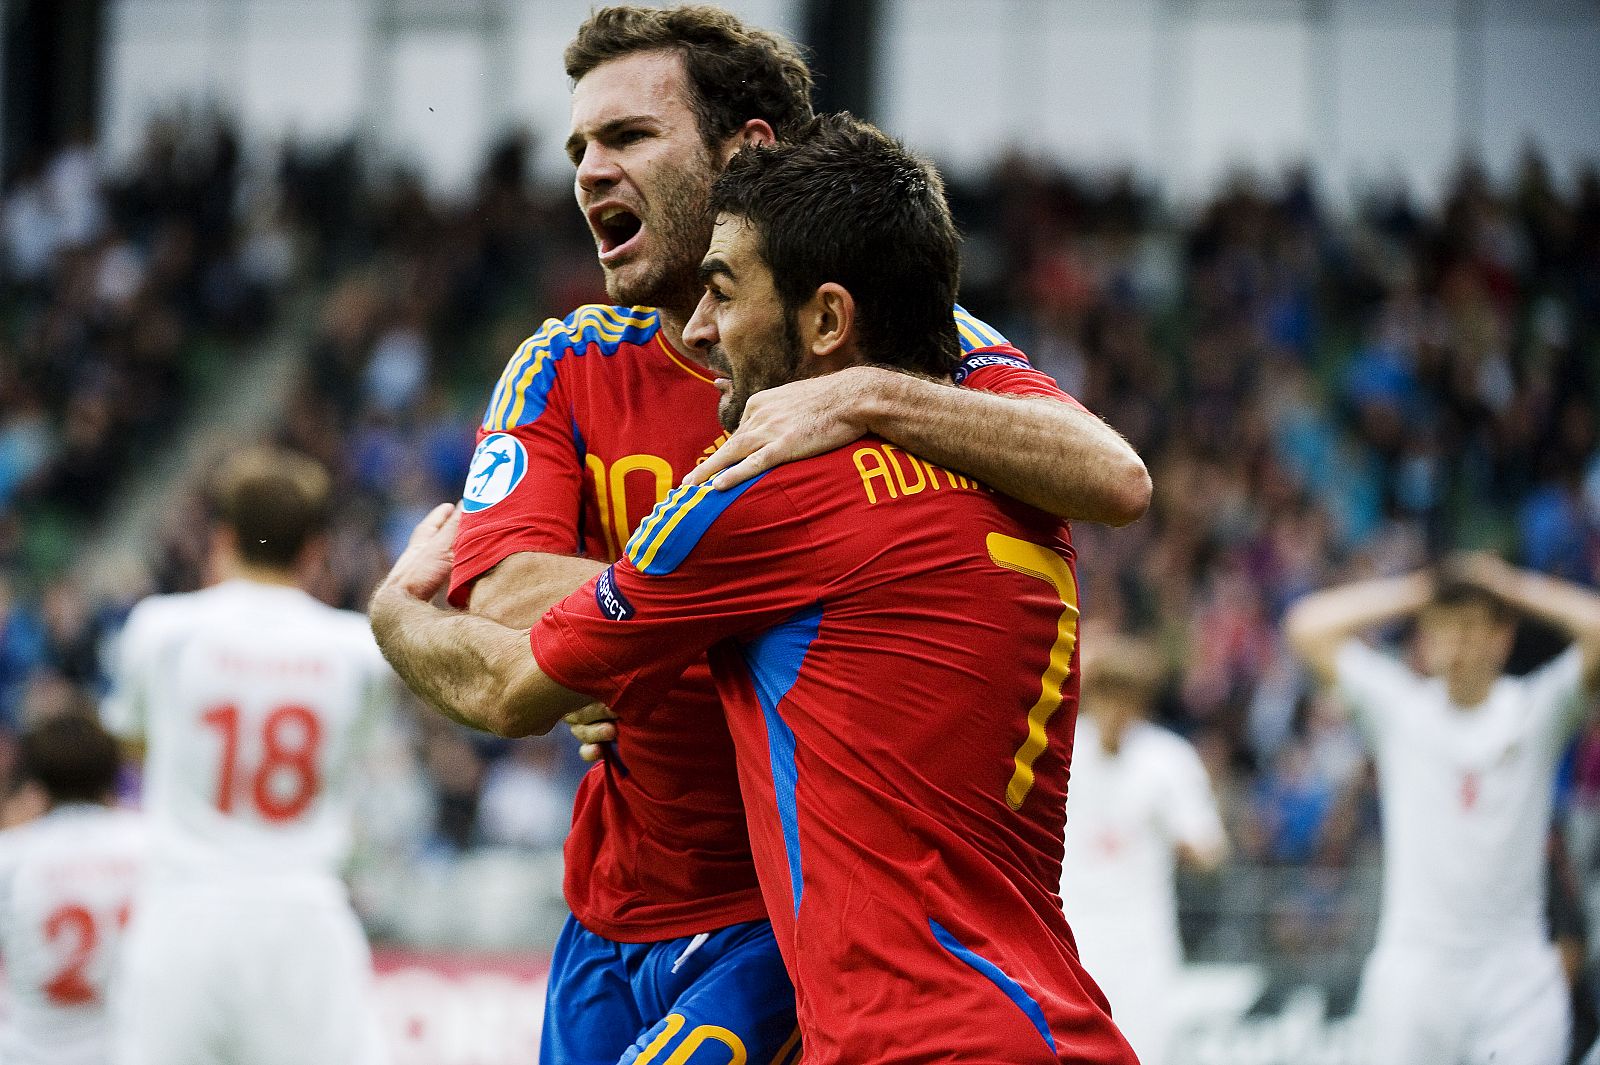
672, 329
1468, 694
238, 569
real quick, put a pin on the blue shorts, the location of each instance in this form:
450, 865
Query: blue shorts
714, 999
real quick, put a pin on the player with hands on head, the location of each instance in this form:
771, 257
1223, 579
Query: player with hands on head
910, 873
1463, 970
253, 700
600, 414
67, 886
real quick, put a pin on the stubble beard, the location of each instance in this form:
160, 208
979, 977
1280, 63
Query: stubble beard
775, 365
681, 229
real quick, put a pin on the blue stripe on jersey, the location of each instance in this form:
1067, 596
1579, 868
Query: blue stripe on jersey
525, 383
664, 539
774, 659
975, 332
1013, 990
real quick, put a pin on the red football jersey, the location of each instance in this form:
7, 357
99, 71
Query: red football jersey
895, 647
595, 419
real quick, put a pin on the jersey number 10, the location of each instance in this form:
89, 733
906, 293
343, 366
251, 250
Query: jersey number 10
290, 736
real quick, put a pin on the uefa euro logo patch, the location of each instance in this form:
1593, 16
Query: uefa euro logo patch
498, 467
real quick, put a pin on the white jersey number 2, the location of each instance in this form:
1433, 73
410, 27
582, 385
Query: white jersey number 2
75, 930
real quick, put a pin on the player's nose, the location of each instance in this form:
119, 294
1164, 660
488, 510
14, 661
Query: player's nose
598, 169
701, 331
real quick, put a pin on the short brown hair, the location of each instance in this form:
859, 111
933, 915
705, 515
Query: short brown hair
274, 501
845, 202
1124, 663
736, 72
71, 757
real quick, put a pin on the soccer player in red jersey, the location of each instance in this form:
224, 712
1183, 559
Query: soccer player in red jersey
894, 644
599, 415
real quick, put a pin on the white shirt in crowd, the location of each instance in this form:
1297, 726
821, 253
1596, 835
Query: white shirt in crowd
1126, 817
1127, 814
67, 882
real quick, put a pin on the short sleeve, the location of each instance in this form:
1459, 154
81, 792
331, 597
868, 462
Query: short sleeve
135, 660
991, 363
1372, 685
705, 566
1555, 695
1007, 372
1191, 809
524, 486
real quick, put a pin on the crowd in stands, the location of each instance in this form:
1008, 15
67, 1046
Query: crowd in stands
1320, 392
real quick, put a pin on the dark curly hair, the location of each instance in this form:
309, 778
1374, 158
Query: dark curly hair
845, 202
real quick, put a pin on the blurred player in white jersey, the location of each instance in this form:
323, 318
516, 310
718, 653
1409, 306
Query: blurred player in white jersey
1464, 971
252, 698
67, 881
1140, 803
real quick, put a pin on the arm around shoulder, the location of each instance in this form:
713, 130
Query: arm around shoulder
1047, 452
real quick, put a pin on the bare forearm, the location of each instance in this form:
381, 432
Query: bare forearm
471, 669
1573, 609
1049, 454
1318, 624
522, 587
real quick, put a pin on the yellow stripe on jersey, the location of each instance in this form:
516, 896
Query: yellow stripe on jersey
525, 383
519, 403
653, 520
686, 505
782, 1056
968, 334
984, 335
975, 332
506, 389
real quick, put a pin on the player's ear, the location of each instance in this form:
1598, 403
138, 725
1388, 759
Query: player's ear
832, 315
312, 562
224, 552
755, 131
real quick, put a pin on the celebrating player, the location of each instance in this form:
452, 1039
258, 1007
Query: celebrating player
1464, 970
66, 887
894, 644
1141, 802
599, 415
252, 697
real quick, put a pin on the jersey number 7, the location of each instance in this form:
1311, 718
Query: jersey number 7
290, 736
1040, 562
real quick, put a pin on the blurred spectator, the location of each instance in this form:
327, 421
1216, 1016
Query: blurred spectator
525, 802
